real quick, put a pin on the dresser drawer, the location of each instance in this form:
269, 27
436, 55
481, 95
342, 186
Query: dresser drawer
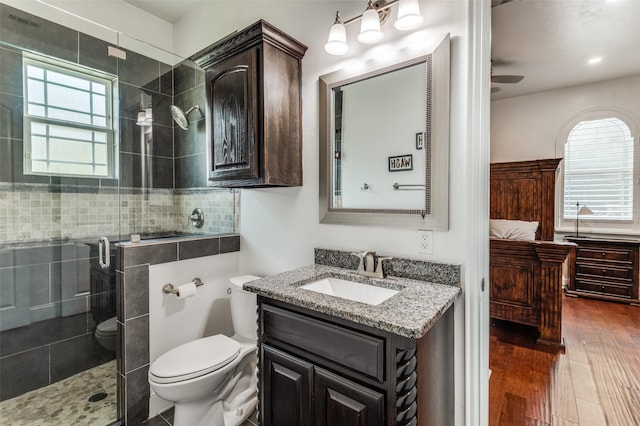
340, 345
606, 254
604, 288
604, 271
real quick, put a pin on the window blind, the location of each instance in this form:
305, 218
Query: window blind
598, 170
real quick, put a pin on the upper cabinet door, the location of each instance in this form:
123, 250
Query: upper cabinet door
234, 146
254, 108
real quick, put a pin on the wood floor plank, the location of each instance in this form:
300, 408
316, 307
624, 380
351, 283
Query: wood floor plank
595, 382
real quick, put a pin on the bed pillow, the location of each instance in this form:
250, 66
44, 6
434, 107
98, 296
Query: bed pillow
513, 229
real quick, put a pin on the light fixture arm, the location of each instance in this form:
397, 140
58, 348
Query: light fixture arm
380, 7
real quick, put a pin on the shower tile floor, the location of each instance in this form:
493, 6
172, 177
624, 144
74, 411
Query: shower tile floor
66, 402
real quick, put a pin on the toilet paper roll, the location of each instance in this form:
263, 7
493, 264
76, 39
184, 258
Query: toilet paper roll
186, 290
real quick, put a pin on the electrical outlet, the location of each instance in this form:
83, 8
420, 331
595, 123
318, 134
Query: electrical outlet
425, 241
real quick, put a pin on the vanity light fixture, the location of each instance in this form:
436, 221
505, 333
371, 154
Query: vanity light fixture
376, 13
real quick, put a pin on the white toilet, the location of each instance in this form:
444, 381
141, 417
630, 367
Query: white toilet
198, 375
106, 334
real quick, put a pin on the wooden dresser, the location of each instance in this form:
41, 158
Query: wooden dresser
605, 268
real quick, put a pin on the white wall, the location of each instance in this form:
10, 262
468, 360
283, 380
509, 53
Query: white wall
173, 322
280, 227
528, 127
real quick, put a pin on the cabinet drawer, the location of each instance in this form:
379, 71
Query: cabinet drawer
606, 254
604, 288
604, 271
357, 351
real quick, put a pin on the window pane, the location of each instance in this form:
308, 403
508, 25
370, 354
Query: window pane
66, 150
65, 97
100, 154
35, 72
38, 148
598, 166
39, 166
35, 90
98, 88
67, 80
36, 110
99, 105
100, 171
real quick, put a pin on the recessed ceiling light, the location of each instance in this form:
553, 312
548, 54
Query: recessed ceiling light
594, 60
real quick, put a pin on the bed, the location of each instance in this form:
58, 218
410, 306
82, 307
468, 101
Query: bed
526, 273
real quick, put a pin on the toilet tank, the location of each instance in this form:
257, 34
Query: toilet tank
244, 308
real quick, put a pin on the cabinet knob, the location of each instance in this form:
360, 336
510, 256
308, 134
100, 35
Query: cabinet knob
604, 254
604, 271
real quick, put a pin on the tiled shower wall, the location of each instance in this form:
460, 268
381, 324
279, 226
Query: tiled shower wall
36, 215
48, 217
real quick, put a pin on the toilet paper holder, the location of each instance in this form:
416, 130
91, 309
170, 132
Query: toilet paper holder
171, 289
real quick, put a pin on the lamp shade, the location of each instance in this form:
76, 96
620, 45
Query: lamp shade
337, 43
585, 210
408, 15
370, 27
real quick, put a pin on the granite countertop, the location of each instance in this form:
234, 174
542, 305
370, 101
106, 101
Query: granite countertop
409, 313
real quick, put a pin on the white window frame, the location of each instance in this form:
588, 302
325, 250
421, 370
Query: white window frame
598, 226
80, 72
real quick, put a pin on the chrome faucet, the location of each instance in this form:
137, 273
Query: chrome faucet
368, 266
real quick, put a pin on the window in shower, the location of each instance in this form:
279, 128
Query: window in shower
68, 119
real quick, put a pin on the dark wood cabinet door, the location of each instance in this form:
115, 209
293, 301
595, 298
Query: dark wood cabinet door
286, 398
340, 402
234, 117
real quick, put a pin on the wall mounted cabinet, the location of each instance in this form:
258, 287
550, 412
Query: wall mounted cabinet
253, 83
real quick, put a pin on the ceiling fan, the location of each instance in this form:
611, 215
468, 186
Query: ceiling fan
503, 78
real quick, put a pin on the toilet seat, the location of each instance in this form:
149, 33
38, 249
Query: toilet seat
107, 327
194, 359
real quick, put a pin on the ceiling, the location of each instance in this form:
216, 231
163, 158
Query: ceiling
550, 42
547, 41
169, 10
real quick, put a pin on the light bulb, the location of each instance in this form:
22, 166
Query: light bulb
408, 15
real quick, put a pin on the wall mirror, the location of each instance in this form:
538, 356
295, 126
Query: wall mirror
384, 142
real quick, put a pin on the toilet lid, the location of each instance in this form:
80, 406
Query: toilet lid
108, 326
194, 359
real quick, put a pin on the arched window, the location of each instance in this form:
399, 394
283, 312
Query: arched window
599, 170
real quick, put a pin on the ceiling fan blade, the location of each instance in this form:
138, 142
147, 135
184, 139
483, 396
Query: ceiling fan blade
506, 78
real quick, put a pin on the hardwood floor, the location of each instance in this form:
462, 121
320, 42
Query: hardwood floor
595, 382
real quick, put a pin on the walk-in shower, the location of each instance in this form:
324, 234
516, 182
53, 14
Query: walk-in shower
78, 164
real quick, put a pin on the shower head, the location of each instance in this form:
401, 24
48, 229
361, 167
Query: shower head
180, 117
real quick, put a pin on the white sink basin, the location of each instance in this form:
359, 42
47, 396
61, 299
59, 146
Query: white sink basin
351, 290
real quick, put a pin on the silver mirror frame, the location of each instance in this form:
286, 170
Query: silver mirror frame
437, 218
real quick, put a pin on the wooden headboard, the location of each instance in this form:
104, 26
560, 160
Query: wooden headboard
525, 190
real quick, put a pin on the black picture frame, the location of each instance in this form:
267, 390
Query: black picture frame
419, 140
400, 163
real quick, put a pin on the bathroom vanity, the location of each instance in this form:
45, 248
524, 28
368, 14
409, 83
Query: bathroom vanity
327, 360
